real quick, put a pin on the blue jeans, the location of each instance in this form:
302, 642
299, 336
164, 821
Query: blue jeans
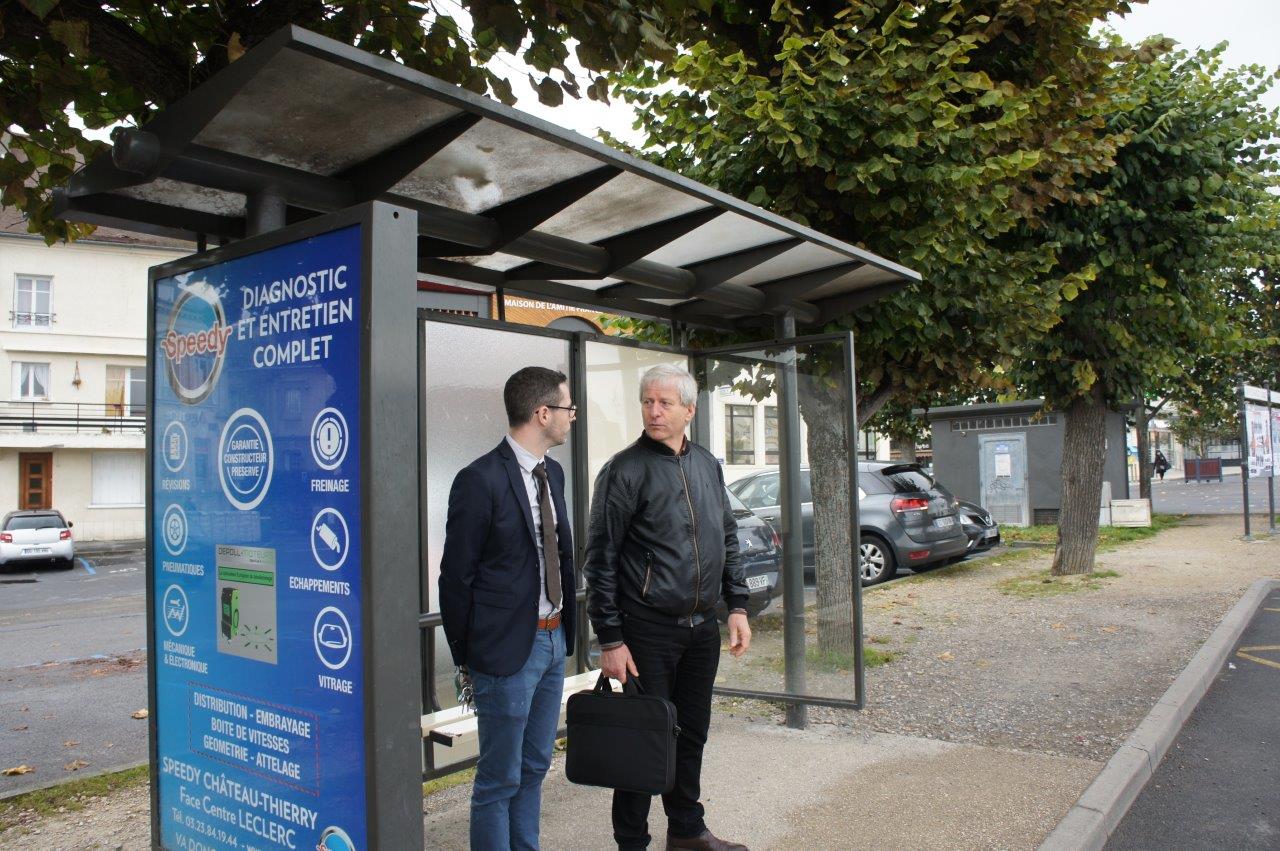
518, 716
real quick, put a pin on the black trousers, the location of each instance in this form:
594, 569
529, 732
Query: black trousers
678, 663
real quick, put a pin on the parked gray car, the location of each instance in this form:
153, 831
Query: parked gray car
905, 517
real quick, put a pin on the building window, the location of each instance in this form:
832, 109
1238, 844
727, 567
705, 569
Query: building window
33, 302
30, 380
118, 478
770, 434
740, 434
126, 391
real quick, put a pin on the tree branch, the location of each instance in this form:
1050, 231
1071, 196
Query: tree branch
155, 70
879, 397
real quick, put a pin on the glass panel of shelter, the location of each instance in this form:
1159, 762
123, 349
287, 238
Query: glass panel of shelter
463, 417
824, 664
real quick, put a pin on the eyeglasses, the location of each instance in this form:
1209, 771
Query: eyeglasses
572, 409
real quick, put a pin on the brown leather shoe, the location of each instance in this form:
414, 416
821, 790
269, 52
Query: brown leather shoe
706, 841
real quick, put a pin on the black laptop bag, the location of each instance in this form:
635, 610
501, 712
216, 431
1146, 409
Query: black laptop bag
621, 740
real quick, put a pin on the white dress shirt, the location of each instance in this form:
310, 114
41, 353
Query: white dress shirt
527, 462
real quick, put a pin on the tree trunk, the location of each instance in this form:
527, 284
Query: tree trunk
1144, 451
828, 445
907, 451
1083, 453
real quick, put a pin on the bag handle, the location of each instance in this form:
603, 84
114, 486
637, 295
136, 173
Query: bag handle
631, 686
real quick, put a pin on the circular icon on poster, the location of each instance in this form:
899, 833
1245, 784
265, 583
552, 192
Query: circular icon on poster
173, 527
174, 446
329, 438
174, 610
329, 538
332, 636
246, 459
335, 839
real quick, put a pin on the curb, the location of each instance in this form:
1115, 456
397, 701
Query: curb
1090, 822
10, 794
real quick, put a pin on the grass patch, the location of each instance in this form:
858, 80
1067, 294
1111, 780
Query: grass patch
1043, 584
68, 797
1108, 536
448, 781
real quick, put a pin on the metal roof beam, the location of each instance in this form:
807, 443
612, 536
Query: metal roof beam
517, 217
120, 211
833, 308
782, 291
380, 173
628, 248
712, 273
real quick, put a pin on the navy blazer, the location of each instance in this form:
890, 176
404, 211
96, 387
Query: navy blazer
489, 577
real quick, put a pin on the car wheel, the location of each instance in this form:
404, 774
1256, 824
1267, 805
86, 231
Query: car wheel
877, 562
67, 563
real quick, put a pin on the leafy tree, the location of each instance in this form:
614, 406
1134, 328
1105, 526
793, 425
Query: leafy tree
64, 63
925, 131
1181, 206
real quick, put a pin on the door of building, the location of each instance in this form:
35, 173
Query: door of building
1002, 463
35, 480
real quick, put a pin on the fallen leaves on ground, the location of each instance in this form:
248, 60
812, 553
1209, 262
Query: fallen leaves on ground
20, 728
19, 769
947, 656
70, 743
1058, 626
140, 714
75, 765
1110, 629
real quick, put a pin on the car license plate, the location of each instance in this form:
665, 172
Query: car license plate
755, 583
991, 533
944, 522
36, 551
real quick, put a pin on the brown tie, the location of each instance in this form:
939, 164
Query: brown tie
550, 550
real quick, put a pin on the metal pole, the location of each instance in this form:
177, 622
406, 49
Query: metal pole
1244, 458
581, 472
264, 212
855, 542
792, 526
1271, 479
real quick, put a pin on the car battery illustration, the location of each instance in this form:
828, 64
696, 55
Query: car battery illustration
246, 595
230, 612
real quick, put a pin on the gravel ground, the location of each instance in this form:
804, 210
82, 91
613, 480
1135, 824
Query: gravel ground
1070, 674
1063, 677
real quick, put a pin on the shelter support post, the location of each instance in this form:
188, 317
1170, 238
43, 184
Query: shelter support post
792, 524
265, 212
855, 522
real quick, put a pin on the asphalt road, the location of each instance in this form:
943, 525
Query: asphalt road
72, 670
1225, 497
1217, 786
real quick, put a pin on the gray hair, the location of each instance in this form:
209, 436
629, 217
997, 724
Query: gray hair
666, 373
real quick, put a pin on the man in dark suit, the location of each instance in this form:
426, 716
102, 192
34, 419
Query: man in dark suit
506, 598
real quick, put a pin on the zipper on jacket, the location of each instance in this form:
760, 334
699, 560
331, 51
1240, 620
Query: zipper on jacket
697, 558
648, 574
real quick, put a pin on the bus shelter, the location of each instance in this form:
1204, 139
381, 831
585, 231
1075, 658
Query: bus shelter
307, 413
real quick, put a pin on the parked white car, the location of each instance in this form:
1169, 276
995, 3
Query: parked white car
36, 535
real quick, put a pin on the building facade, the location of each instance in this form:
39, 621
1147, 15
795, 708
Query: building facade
73, 346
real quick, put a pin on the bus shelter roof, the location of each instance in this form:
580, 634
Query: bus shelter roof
505, 200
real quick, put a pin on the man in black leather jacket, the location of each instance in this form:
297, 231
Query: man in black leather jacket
662, 548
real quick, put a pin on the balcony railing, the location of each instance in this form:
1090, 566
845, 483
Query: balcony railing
23, 319
101, 418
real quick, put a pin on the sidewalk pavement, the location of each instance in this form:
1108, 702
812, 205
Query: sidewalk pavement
775, 788
98, 549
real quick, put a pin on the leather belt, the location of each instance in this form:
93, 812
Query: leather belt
549, 623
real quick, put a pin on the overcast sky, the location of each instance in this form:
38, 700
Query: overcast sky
1251, 27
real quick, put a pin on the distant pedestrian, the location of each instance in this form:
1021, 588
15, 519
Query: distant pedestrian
1162, 464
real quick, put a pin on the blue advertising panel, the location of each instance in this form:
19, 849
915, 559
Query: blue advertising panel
256, 496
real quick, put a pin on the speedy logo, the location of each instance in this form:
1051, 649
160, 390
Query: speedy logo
195, 343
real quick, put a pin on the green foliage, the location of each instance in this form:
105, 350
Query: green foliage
119, 62
70, 797
1171, 241
927, 132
